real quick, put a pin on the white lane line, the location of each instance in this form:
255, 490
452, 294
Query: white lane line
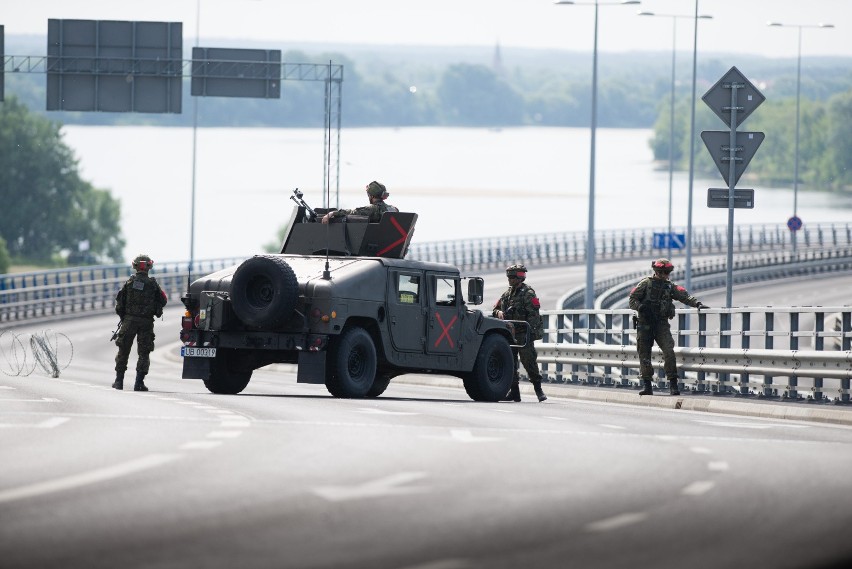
717, 466
6, 387
169, 399
743, 425
393, 485
701, 450
86, 478
618, 427
42, 400
665, 437
52, 422
617, 522
698, 488
235, 424
200, 445
371, 411
223, 434
502, 411
556, 418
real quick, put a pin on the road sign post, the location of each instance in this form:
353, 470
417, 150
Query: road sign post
733, 98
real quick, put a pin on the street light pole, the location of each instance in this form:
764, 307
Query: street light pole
798, 99
590, 238
688, 268
675, 18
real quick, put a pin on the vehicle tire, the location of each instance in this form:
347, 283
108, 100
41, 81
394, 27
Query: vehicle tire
352, 369
379, 385
228, 373
492, 372
264, 291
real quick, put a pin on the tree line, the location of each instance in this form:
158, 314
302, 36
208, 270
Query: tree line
49, 211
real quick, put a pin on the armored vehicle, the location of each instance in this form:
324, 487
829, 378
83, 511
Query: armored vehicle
342, 302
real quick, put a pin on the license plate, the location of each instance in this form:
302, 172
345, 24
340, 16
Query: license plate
190, 352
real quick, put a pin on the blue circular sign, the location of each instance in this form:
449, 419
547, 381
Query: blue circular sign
794, 223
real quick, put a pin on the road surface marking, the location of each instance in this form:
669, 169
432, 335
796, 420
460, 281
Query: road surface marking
200, 445
557, 418
617, 522
665, 437
502, 411
698, 488
86, 478
619, 427
718, 466
701, 450
235, 424
741, 425
46, 424
372, 411
223, 434
42, 400
388, 486
6, 387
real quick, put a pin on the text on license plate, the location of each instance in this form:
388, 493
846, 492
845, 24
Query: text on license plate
190, 352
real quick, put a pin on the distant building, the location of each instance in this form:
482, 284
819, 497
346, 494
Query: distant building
497, 63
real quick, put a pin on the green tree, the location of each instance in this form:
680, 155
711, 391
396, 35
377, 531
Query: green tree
5, 261
47, 207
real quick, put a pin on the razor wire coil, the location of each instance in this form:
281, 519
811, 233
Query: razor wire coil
22, 354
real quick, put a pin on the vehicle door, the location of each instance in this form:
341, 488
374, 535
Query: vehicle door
406, 309
443, 329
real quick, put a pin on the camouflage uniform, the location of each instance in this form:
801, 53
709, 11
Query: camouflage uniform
520, 302
137, 303
373, 211
653, 300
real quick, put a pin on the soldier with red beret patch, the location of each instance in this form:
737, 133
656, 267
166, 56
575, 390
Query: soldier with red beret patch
652, 300
520, 302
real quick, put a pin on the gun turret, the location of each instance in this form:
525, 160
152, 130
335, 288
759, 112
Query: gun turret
297, 197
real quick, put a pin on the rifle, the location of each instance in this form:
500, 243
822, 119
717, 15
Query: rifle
297, 197
115, 332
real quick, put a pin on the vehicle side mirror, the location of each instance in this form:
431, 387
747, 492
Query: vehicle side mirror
475, 288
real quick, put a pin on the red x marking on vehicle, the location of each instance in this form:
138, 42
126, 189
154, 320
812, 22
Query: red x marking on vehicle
446, 329
399, 241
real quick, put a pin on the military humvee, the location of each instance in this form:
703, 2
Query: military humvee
341, 301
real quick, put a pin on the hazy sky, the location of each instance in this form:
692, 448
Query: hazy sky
738, 26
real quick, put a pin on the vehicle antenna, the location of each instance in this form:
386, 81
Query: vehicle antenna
326, 274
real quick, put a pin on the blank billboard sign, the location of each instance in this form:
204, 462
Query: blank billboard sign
114, 66
224, 72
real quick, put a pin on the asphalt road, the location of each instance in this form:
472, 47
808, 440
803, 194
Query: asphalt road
283, 475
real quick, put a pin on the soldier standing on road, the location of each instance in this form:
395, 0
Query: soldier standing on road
652, 300
520, 302
376, 194
137, 303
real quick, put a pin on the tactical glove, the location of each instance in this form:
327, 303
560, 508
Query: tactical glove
701, 305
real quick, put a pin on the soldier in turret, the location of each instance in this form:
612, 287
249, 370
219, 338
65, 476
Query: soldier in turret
520, 302
137, 303
652, 300
377, 194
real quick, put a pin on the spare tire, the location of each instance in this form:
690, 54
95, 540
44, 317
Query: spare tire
264, 291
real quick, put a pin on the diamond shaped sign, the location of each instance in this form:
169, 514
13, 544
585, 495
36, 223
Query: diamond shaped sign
718, 98
718, 143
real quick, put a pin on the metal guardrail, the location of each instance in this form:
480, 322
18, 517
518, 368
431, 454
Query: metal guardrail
59, 292
720, 353
570, 247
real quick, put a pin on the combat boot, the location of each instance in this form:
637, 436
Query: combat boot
514, 393
649, 390
140, 384
673, 390
119, 380
538, 392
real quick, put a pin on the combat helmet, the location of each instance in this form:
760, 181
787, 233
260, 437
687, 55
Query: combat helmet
143, 262
377, 190
662, 265
518, 271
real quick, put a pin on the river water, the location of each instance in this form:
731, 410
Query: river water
462, 182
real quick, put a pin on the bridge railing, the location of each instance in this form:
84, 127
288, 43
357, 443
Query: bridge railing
719, 350
60, 292
568, 247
